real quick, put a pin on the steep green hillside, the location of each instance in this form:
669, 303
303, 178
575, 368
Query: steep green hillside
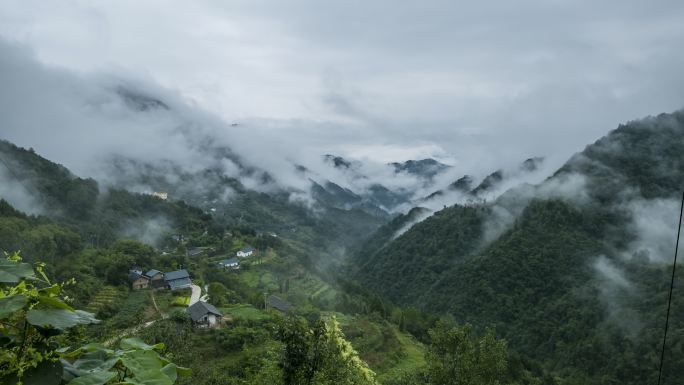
571, 272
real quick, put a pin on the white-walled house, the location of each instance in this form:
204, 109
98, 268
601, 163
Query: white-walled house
230, 263
204, 315
245, 252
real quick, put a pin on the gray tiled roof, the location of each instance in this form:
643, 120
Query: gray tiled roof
178, 274
200, 309
152, 272
279, 303
181, 283
133, 276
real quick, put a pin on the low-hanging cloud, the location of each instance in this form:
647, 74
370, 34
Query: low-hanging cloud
17, 194
654, 225
404, 80
617, 294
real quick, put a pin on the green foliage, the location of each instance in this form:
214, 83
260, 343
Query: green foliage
319, 354
34, 314
538, 281
457, 357
133, 363
218, 293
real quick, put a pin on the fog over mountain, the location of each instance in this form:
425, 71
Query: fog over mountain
125, 130
505, 82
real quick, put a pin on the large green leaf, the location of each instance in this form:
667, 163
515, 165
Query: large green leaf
173, 371
153, 377
136, 343
140, 361
9, 305
59, 318
54, 302
94, 362
96, 378
12, 272
180, 370
146, 368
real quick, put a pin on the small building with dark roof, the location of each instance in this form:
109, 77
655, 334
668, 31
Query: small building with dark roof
138, 280
279, 304
232, 263
195, 251
156, 278
204, 314
176, 280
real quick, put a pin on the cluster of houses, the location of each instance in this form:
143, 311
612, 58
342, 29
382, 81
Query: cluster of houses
173, 280
203, 314
234, 263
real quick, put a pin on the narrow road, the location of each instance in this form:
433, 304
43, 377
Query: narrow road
195, 296
206, 294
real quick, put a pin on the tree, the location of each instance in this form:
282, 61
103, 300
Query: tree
457, 357
319, 354
218, 293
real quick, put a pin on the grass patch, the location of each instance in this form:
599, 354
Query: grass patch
247, 312
180, 301
413, 357
261, 279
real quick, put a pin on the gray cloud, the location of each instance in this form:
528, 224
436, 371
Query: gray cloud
484, 83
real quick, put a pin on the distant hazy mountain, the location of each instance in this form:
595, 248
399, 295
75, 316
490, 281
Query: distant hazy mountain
424, 168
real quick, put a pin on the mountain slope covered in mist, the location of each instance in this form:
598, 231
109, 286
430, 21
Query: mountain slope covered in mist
572, 271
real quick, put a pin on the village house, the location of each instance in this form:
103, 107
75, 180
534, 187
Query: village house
245, 252
278, 304
205, 315
176, 280
137, 279
156, 278
232, 263
194, 252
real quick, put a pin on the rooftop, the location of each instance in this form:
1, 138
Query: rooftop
180, 283
152, 272
200, 309
279, 303
229, 261
134, 275
178, 274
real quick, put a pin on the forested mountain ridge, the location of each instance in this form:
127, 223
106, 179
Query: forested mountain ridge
572, 271
101, 214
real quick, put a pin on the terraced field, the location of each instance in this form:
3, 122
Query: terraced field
105, 296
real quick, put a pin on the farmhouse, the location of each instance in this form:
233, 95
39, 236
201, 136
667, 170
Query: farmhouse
194, 252
245, 252
232, 263
204, 315
279, 304
156, 278
138, 280
176, 280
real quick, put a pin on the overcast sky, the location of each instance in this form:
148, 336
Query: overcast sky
478, 84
